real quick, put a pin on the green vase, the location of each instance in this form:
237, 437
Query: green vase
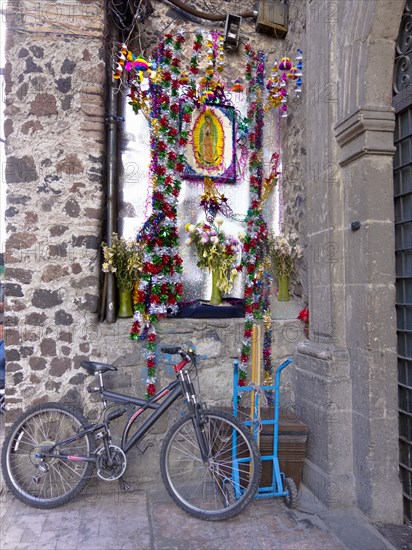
283, 288
216, 296
125, 303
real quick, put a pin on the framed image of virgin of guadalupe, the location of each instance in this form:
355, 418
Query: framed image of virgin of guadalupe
211, 149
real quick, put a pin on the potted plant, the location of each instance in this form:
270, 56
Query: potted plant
217, 253
284, 251
124, 259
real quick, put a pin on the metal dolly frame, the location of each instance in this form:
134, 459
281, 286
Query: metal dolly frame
277, 489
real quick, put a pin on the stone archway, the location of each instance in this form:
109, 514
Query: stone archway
346, 374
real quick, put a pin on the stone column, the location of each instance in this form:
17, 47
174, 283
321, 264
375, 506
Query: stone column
346, 375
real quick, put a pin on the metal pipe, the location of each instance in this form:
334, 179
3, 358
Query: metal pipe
205, 15
111, 167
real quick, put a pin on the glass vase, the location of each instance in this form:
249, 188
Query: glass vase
125, 303
283, 288
216, 296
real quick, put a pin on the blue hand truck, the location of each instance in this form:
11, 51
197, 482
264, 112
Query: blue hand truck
281, 486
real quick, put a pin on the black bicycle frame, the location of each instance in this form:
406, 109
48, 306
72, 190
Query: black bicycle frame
172, 392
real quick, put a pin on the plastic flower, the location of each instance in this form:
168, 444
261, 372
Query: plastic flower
283, 252
125, 259
303, 315
216, 252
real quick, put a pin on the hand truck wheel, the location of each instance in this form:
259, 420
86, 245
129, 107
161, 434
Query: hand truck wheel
291, 499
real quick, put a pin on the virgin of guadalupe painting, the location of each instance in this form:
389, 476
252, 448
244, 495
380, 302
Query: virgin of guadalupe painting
210, 150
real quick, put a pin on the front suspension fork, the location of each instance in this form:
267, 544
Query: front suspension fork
196, 412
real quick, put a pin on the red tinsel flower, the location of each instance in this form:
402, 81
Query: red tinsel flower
248, 333
151, 389
161, 145
154, 299
175, 62
255, 204
174, 108
171, 155
194, 70
180, 167
172, 132
248, 291
244, 358
168, 180
175, 84
250, 268
178, 260
186, 117
165, 259
167, 76
178, 288
168, 54
151, 337
172, 298
135, 328
304, 315
197, 46
242, 381
151, 363
175, 192
248, 309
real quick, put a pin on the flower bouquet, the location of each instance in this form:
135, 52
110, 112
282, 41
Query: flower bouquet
217, 253
284, 251
124, 259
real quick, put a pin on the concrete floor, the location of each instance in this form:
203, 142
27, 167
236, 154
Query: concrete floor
104, 517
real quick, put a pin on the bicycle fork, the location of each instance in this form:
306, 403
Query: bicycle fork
196, 412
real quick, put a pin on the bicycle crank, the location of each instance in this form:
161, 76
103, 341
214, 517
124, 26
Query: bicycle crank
113, 467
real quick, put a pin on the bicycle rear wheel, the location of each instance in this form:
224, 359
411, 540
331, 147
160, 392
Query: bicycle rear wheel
53, 481
220, 487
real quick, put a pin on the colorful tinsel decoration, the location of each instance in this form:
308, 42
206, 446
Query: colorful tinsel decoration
254, 246
160, 287
213, 202
278, 83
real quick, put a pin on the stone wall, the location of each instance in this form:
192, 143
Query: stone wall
55, 93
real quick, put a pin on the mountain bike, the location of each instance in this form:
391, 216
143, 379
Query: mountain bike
209, 461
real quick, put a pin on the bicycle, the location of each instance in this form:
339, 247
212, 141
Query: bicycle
209, 461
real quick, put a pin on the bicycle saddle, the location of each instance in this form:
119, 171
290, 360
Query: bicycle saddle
94, 368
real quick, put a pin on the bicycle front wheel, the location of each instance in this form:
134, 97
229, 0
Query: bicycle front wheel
220, 486
52, 481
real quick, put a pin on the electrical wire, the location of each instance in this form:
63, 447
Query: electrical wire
205, 15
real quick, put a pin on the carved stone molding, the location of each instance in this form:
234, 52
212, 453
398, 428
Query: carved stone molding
368, 131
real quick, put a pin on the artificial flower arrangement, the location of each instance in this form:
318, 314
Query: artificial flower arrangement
284, 251
124, 258
217, 253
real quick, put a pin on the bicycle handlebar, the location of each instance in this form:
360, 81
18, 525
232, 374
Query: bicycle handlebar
184, 354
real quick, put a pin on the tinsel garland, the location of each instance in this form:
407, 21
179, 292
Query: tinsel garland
160, 288
255, 242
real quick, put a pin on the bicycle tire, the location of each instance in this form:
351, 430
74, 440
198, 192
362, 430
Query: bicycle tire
221, 488
42, 426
